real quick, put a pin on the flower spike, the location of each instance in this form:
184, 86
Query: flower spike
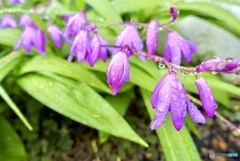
118, 71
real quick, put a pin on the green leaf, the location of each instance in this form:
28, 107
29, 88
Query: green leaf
8, 62
79, 103
63, 67
11, 148
120, 103
123, 6
9, 36
13, 106
212, 10
105, 9
175, 145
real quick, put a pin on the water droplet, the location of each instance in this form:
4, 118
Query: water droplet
214, 72
175, 70
208, 89
229, 59
184, 73
139, 27
161, 66
160, 28
193, 73
213, 58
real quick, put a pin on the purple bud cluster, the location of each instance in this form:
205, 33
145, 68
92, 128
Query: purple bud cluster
87, 45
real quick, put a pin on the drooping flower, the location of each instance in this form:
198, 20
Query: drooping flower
169, 95
176, 45
173, 11
118, 71
208, 102
8, 22
218, 65
74, 24
25, 20
56, 35
152, 37
96, 50
26, 39
16, 1
129, 37
80, 47
32, 37
39, 41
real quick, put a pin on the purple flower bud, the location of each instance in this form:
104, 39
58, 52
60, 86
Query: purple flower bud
66, 18
25, 20
32, 37
8, 22
103, 50
173, 11
56, 35
152, 37
80, 47
74, 24
16, 1
26, 39
118, 71
130, 37
208, 102
169, 95
95, 46
175, 45
218, 65
39, 41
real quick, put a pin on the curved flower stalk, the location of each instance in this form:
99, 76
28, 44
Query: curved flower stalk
169, 95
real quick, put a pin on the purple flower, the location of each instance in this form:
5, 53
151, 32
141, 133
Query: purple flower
80, 47
16, 1
56, 35
96, 50
39, 41
173, 11
26, 39
152, 37
130, 37
118, 71
169, 95
31, 37
218, 65
8, 22
175, 45
208, 102
25, 20
74, 24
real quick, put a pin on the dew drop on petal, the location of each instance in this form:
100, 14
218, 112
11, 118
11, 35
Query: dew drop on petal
184, 73
161, 66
